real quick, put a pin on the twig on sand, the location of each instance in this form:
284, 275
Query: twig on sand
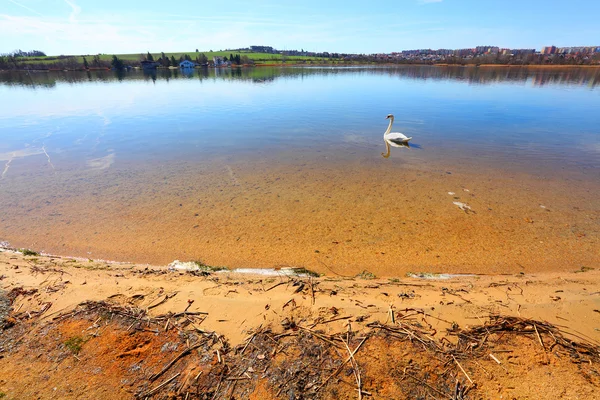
428, 385
539, 337
169, 365
330, 320
220, 382
337, 371
463, 370
167, 297
275, 285
356, 371
319, 335
156, 389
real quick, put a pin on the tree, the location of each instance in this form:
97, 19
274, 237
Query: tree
149, 57
117, 63
238, 59
173, 61
196, 50
85, 64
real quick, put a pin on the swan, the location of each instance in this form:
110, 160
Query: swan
394, 137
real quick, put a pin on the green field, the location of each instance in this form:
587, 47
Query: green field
258, 58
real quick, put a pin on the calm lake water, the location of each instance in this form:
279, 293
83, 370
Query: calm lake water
270, 167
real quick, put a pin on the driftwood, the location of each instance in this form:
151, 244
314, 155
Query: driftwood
315, 359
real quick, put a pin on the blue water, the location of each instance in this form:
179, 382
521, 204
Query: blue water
266, 167
535, 115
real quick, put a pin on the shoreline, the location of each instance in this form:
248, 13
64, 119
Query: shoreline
441, 65
250, 272
111, 331
551, 296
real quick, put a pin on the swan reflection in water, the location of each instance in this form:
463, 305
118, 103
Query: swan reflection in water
390, 143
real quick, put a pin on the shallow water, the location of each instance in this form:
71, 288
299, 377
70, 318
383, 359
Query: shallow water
271, 167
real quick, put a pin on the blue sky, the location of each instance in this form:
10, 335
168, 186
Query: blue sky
128, 26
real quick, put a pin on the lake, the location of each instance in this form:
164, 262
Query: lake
272, 167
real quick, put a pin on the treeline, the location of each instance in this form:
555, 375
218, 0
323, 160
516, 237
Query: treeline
166, 61
21, 53
201, 59
10, 62
237, 59
60, 62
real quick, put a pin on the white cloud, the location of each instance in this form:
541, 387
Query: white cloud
76, 10
114, 34
60, 36
25, 7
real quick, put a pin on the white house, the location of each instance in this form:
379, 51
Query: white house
186, 64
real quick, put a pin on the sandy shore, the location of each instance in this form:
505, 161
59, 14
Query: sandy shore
237, 306
237, 303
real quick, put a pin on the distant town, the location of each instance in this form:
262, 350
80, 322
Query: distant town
267, 55
484, 53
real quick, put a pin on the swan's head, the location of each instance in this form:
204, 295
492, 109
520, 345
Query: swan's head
389, 116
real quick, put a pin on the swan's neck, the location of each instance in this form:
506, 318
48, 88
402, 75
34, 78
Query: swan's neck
389, 129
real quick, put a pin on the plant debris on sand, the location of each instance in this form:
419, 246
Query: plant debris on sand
107, 350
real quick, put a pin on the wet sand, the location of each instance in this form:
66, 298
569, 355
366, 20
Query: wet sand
330, 213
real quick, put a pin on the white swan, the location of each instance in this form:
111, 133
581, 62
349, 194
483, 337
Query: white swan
394, 137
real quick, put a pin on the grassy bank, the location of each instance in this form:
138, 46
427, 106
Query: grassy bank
257, 58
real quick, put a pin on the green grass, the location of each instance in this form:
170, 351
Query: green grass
259, 58
74, 344
366, 275
584, 269
28, 252
209, 54
305, 271
208, 268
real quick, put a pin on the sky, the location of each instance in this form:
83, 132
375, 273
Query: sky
346, 26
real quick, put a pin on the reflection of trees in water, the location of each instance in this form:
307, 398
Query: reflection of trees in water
486, 75
261, 75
